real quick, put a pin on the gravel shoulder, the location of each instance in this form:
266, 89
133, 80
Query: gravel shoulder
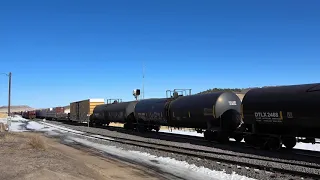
33, 156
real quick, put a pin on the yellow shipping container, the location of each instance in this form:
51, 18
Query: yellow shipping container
81, 110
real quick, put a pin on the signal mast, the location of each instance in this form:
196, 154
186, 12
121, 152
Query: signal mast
136, 93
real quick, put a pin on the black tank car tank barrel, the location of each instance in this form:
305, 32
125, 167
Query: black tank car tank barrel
120, 111
99, 112
152, 110
290, 109
206, 111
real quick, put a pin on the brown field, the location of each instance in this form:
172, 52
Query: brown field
31, 156
3, 115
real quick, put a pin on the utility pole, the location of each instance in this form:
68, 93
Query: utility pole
9, 95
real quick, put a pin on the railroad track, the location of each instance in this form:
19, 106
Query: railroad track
196, 140
262, 163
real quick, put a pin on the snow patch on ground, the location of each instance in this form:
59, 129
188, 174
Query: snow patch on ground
19, 124
188, 132
61, 128
102, 137
178, 168
183, 132
308, 146
54, 133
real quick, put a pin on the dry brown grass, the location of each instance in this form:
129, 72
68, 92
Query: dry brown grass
36, 142
3, 115
8, 137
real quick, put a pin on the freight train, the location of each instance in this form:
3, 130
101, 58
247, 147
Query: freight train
267, 117
28, 114
56, 113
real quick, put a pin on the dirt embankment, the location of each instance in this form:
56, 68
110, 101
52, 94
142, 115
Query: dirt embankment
18, 108
30, 156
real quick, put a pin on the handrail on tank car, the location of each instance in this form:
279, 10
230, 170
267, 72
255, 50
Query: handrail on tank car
175, 92
109, 101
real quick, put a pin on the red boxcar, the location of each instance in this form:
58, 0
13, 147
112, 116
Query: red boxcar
29, 114
54, 113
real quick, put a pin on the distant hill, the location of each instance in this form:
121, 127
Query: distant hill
4, 109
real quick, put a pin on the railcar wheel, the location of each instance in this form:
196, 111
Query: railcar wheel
128, 125
289, 142
222, 137
254, 141
248, 139
141, 128
157, 128
274, 143
205, 135
208, 135
238, 138
91, 124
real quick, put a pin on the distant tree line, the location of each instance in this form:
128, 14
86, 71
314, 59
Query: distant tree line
235, 90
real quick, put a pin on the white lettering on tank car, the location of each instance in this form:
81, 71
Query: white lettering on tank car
268, 116
289, 115
207, 111
232, 103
